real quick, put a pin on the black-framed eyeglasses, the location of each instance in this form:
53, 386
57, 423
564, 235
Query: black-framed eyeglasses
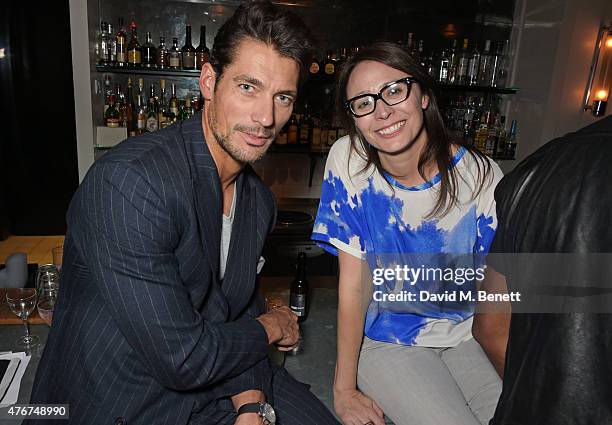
392, 94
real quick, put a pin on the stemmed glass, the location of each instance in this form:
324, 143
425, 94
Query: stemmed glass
46, 305
22, 302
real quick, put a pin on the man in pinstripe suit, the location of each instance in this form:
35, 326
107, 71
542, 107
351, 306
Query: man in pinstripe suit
158, 320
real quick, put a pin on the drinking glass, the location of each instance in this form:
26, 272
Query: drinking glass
275, 300
22, 302
58, 255
47, 278
46, 305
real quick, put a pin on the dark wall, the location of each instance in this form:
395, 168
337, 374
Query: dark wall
38, 158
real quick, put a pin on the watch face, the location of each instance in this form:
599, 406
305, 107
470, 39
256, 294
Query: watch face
267, 412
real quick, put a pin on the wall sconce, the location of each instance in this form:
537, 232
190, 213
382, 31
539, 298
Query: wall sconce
598, 90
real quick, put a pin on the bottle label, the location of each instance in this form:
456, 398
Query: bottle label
141, 123
332, 135
329, 68
134, 56
189, 60
304, 130
112, 122
281, 139
298, 304
292, 135
316, 136
174, 61
314, 68
121, 57
151, 124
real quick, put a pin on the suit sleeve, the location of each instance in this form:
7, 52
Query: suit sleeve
128, 243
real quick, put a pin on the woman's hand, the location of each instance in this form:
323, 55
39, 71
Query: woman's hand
355, 408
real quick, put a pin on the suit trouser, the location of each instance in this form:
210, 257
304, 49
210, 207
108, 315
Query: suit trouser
430, 386
293, 403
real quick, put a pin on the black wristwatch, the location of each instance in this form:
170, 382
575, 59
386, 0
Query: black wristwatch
264, 410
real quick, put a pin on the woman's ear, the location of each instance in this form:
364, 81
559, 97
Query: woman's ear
424, 101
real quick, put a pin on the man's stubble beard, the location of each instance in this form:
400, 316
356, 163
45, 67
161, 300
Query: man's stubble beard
224, 140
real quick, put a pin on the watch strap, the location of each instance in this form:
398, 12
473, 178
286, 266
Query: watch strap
249, 408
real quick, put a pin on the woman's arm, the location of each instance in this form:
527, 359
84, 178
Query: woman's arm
355, 290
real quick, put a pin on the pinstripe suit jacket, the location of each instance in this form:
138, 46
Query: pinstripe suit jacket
145, 333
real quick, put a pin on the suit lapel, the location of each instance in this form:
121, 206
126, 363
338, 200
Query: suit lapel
241, 269
207, 190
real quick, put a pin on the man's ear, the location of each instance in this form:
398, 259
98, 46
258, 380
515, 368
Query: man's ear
208, 79
424, 101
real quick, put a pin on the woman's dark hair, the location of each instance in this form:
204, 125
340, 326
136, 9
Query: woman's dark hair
438, 148
262, 21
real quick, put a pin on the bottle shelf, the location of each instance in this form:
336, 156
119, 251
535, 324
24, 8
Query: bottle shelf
148, 71
477, 89
303, 149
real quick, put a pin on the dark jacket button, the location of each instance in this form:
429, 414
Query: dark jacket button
120, 421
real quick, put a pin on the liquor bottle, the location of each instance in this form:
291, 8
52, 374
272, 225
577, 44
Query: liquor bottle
491, 141
511, 141
292, 130
152, 120
122, 104
108, 92
464, 61
121, 44
173, 104
202, 52
298, 295
341, 59
501, 77
410, 44
480, 138
500, 144
281, 137
162, 105
315, 134
112, 115
432, 66
162, 54
332, 132
496, 63
329, 68
444, 67
112, 46
188, 52
141, 109
473, 66
453, 63
420, 55
305, 127
130, 110
149, 53
134, 58
102, 46
174, 55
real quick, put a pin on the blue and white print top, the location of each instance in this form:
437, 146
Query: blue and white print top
365, 217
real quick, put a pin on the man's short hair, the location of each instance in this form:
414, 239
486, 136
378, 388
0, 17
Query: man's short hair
262, 21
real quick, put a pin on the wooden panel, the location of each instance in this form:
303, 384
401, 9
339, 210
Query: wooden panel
37, 248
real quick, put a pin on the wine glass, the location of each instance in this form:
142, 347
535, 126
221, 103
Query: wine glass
46, 272
22, 302
46, 305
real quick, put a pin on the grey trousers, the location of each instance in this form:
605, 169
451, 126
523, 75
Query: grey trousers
429, 386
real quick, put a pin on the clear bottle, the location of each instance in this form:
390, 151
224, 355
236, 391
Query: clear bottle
188, 52
473, 66
108, 92
202, 52
464, 61
103, 45
134, 54
141, 109
305, 127
501, 77
130, 110
174, 55
149, 53
112, 46
298, 295
121, 44
453, 62
162, 54
444, 67
484, 68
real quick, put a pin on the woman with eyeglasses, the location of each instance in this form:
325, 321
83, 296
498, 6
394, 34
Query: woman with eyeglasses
398, 194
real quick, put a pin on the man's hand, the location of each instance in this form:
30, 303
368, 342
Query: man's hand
355, 408
282, 327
